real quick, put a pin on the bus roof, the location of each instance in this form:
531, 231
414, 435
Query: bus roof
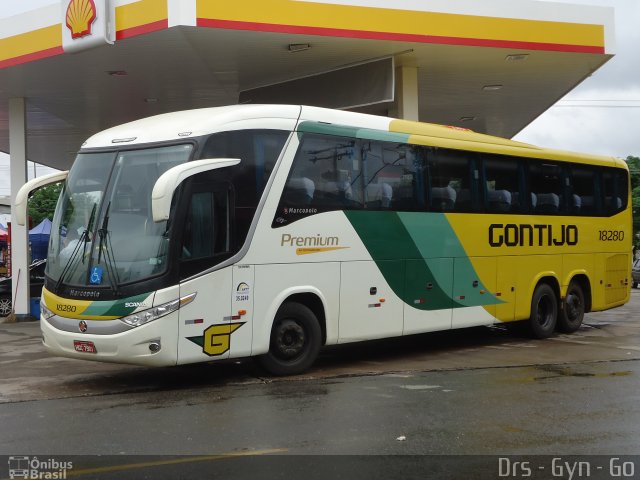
188, 123
193, 123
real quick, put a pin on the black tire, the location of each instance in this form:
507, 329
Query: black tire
295, 341
544, 311
572, 313
5, 306
635, 284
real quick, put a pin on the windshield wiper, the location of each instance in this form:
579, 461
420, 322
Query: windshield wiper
82, 241
102, 232
112, 271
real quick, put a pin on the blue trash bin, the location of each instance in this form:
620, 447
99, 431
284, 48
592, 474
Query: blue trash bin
34, 309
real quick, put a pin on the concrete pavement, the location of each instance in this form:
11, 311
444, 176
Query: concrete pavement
27, 372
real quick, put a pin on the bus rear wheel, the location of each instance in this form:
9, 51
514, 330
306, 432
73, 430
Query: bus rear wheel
295, 341
544, 311
572, 313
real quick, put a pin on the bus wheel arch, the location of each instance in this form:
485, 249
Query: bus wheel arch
316, 305
575, 303
297, 333
544, 311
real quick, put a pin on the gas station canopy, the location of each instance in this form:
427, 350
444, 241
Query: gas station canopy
492, 66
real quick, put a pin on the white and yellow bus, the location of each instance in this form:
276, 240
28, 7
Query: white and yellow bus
271, 231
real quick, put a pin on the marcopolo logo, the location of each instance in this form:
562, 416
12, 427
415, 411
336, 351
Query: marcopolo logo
35, 468
300, 211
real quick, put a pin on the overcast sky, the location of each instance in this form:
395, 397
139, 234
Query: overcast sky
602, 115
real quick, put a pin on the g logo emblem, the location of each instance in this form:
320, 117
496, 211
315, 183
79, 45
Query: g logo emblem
217, 338
82, 326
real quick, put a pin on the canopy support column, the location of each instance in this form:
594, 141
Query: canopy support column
407, 93
19, 235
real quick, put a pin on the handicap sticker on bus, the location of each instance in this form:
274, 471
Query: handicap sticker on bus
96, 276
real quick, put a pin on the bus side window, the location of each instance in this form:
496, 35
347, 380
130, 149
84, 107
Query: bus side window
501, 185
583, 189
452, 187
615, 185
326, 174
299, 191
546, 182
393, 177
207, 226
258, 151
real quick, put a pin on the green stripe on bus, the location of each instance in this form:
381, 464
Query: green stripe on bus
352, 132
415, 254
116, 308
434, 237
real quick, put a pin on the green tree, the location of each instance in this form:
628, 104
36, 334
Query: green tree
42, 203
634, 168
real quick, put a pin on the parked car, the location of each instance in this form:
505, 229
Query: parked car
635, 273
36, 270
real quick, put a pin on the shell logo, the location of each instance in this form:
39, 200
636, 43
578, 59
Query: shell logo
80, 17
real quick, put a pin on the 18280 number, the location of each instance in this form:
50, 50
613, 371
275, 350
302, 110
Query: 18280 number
611, 235
66, 308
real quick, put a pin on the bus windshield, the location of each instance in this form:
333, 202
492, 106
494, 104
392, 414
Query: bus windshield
103, 232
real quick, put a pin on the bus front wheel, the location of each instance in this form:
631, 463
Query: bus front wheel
572, 313
544, 311
295, 341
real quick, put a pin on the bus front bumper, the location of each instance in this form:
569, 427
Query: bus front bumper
152, 344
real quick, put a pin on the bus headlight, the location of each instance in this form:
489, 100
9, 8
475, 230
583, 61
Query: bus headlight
146, 316
44, 311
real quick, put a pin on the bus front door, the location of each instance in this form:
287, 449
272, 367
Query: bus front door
205, 329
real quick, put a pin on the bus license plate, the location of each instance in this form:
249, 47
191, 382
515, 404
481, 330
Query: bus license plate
84, 347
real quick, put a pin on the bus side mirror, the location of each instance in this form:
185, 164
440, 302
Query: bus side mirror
22, 197
170, 180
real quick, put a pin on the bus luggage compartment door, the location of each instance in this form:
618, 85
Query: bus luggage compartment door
428, 287
474, 291
369, 308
